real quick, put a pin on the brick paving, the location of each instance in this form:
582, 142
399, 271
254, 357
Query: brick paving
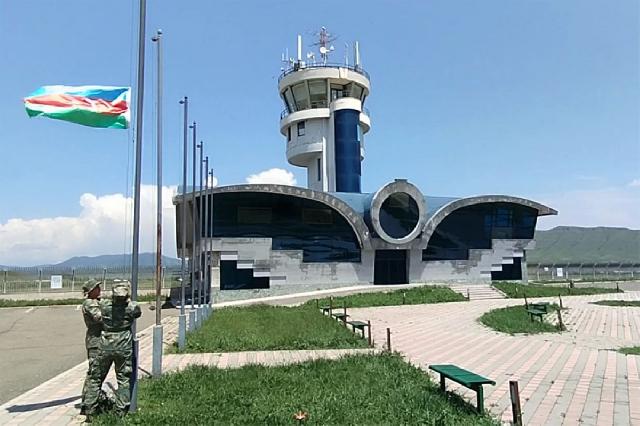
564, 378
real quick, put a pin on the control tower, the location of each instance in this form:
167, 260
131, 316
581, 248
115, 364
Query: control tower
324, 120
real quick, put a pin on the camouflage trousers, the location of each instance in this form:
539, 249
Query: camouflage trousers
92, 354
122, 359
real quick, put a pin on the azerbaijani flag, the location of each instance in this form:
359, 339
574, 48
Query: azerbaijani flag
95, 106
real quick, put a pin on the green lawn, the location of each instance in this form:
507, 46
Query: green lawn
515, 319
355, 390
264, 327
412, 296
635, 303
517, 291
633, 350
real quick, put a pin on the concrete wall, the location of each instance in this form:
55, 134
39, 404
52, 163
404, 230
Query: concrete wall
286, 267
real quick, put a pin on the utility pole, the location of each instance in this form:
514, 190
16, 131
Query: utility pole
136, 199
156, 367
182, 319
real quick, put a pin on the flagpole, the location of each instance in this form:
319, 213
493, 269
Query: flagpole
136, 199
182, 319
193, 227
200, 220
206, 287
156, 368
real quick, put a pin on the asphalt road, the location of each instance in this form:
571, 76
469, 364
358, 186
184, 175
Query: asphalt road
39, 343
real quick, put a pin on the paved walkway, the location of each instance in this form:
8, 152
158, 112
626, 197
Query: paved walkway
564, 378
56, 402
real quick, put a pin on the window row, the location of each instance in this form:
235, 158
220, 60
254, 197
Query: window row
474, 227
318, 94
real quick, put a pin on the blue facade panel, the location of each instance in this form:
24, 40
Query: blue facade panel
347, 150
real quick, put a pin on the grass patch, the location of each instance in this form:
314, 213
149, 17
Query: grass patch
634, 303
515, 319
632, 350
517, 291
9, 303
412, 296
264, 327
355, 390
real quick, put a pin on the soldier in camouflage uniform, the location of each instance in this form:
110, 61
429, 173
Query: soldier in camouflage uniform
93, 321
116, 347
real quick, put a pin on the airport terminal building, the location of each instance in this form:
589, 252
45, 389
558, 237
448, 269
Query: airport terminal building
262, 235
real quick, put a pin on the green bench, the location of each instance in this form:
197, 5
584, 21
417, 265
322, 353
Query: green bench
340, 316
466, 378
361, 325
537, 310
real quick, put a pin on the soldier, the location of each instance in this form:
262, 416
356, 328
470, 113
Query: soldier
93, 321
116, 347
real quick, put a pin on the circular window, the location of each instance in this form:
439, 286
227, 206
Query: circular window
399, 215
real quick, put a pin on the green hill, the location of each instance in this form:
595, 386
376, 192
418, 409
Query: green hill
573, 244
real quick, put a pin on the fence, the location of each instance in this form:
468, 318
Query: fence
605, 271
60, 280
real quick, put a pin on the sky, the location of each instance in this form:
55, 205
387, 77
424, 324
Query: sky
534, 98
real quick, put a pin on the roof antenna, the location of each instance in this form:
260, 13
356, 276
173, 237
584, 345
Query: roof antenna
356, 54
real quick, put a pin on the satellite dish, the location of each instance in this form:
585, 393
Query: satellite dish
323, 50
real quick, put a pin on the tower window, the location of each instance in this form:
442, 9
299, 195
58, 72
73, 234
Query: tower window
301, 128
289, 134
319, 170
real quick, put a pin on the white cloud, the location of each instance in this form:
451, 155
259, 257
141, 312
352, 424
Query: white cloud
617, 207
275, 175
103, 226
634, 183
212, 181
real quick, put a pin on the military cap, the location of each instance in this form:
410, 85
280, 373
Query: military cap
90, 285
122, 289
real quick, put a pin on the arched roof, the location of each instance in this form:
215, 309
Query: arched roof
351, 216
445, 210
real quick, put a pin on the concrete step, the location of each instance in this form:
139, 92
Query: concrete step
477, 292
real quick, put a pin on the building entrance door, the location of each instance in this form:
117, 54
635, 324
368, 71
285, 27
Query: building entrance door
390, 267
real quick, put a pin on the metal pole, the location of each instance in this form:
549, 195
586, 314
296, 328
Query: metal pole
164, 273
182, 320
104, 278
4, 281
207, 267
156, 367
39, 280
210, 232
515, 403
136, 198
193, 219
200, 220
73, 279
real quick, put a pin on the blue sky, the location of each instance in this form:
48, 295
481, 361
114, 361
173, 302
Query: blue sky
534, 98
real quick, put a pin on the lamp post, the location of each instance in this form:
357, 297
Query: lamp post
182, 319
156, 367
211, 245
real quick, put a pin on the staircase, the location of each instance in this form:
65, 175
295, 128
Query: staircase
477, 291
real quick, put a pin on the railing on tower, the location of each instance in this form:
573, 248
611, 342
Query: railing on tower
297, 67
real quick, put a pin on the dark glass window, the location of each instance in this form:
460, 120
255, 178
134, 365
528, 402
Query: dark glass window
399, 215
301, 128
289, 134
293, 223
319, 170
474, 227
